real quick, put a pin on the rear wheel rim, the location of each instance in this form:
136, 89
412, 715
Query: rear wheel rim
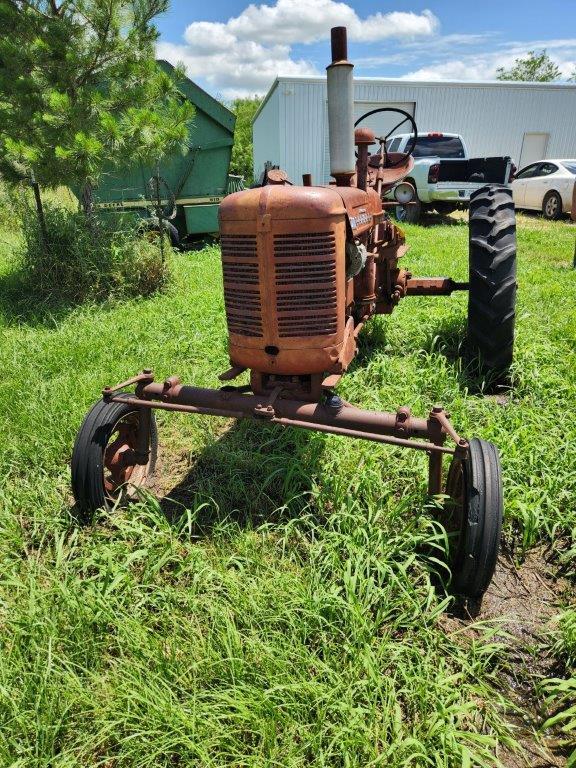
456, 511
552, 206
121, 475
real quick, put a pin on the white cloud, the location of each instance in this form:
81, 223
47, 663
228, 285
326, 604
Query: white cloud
250, 70
483, 66
245, 54
293, 21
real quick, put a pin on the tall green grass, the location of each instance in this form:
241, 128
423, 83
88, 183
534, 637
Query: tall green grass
284, 607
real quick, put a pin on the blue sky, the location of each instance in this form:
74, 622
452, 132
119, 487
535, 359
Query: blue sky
234, 48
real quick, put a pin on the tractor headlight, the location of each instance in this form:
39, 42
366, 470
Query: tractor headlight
404, 192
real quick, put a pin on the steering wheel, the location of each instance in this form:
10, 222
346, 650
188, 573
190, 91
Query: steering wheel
410, 147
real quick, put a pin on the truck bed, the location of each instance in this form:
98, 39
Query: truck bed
492, 170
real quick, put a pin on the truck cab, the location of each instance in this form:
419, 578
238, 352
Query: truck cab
444, 174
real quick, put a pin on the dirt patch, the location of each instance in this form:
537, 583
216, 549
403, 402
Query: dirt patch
522, 600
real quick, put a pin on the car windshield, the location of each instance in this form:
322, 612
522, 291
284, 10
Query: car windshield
570, 167
439, 146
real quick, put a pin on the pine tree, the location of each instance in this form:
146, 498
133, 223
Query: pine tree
535, 67
80, 87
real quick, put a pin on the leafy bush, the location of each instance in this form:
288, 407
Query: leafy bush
86, 258
241, 162
7, 215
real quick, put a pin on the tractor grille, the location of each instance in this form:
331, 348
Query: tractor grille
305, 272
241, 284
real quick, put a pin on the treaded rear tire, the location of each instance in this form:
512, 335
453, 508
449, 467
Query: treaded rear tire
492, 270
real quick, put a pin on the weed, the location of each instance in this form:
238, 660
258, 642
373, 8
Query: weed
85, 258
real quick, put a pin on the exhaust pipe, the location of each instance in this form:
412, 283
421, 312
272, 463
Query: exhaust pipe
341, 110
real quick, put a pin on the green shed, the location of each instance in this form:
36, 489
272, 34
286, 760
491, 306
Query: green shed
191, 184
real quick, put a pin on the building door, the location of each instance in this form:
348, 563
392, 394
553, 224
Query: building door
534, 148
381, 124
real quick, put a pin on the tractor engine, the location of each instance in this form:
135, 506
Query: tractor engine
290, 255
304, 265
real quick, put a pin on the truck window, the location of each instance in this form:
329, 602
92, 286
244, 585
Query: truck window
394, 144
439, 146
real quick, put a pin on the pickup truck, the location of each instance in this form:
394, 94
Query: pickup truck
444, 176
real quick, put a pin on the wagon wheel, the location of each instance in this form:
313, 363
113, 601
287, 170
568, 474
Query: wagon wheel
410, 147
104, 467
473, 518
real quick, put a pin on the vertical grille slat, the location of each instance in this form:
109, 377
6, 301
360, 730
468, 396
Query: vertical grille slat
305, 273
241, 285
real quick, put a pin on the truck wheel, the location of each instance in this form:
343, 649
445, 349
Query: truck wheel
552, 206
473, 521
492, 269
409, 213
103, 471
152, 230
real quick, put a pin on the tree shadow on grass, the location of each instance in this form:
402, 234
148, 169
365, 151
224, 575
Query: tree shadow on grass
252, 474
22, 303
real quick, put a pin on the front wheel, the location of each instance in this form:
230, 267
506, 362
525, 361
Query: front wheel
474, 512
104, 469
410, 214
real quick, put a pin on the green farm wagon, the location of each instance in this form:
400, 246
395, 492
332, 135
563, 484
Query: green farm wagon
189, 186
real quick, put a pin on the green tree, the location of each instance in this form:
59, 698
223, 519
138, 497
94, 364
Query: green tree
535, 67
241, 162
80, 87
572, 78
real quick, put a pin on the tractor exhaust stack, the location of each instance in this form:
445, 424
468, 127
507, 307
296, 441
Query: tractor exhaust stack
341, 110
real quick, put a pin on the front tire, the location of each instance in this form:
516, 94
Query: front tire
552, 206
492, 270
474, 514
103, 470
410, 214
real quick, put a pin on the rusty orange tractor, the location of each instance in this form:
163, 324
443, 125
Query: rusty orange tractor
305, 267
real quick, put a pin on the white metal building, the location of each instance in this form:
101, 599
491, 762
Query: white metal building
527, 121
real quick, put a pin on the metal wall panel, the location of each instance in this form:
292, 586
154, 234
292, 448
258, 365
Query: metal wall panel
492, 117
266, 134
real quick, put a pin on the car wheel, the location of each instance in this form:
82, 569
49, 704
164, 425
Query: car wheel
552, 206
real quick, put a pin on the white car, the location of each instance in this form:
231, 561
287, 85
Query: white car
546, 186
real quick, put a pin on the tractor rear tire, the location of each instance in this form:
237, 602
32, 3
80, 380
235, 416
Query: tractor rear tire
474, 518
107, 433
492, 270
